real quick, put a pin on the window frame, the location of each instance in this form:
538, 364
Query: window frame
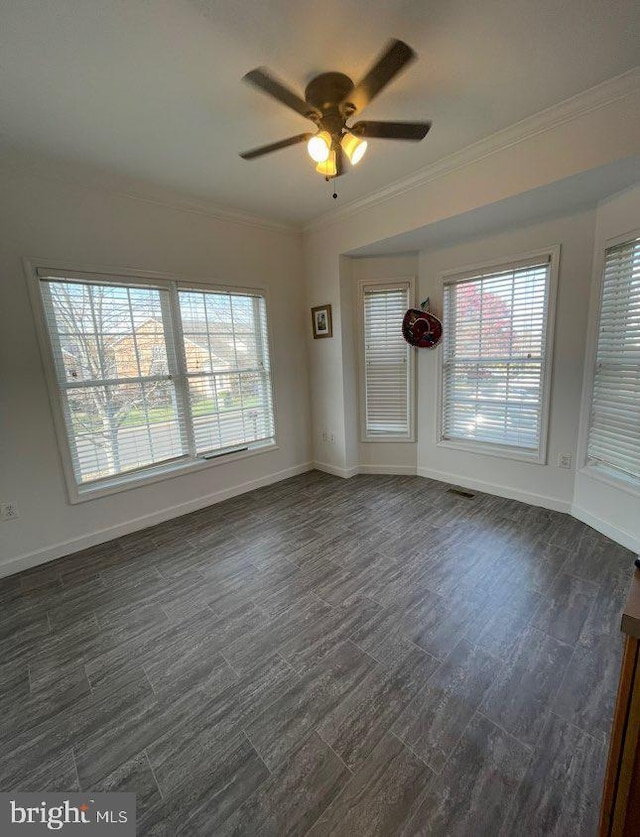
600, 472
191, 463
393, 283
538, 457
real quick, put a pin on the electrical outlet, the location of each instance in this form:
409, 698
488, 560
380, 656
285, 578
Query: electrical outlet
564, 460
324, 435
9, 511
332, 439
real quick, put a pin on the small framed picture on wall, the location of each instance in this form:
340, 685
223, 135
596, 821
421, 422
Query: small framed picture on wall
321, 319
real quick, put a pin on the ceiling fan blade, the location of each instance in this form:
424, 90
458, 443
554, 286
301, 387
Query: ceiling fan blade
275, 146
396, 55
392, 130
261, 79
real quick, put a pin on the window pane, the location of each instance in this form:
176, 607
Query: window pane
122, 427
226, 352
494, 355
614, 435
113, 334
495, 400
386, 362
107, 331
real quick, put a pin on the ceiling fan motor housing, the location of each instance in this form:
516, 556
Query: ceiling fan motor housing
328, 90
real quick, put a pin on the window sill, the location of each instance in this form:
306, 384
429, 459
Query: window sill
602, 474
79, 494
501, 451
388, 438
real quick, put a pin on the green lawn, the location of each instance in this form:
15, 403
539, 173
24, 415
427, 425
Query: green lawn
136, 416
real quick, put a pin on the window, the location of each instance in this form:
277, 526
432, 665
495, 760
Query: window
149, 375
387, 363
614, 433
496, 357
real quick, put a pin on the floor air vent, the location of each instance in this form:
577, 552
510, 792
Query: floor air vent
461, 492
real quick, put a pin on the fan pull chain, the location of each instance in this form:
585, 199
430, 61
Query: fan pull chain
335, 194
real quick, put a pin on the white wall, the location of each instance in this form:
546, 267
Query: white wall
607, 506
44, 217
547, 484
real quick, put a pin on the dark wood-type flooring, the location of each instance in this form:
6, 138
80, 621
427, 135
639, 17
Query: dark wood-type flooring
370, 656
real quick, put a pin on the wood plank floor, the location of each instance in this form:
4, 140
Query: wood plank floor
324, 657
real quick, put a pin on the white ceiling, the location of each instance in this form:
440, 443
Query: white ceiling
152, 88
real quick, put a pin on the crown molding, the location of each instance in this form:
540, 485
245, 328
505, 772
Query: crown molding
619, 87
83, 177
231, 216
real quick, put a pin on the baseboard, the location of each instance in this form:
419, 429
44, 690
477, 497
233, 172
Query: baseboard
43, 556
618, 535
552, 503
345, 473
400, 470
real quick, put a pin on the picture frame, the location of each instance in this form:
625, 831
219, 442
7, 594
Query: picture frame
322, 322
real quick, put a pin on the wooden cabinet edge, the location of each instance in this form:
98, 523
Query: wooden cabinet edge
620, 808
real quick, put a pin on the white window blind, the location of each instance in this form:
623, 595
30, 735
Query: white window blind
387, 362
614, 435
148, 375
495, 327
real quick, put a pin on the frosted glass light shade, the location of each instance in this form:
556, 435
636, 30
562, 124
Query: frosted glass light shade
319, 146
354, 148
328, 168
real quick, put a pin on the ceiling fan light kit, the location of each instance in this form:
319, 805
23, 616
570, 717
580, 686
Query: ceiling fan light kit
330, 101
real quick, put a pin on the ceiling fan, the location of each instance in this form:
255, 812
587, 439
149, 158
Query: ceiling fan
330, 101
